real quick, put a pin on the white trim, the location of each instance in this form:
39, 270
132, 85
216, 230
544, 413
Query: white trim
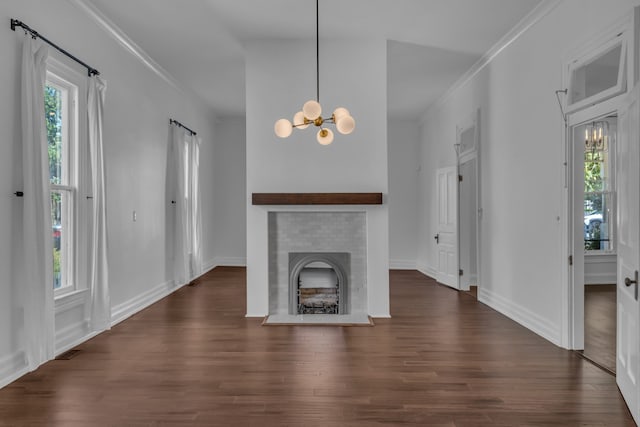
600, 109
600, 278
209, 265
12, 367
427, 271
573, 276
253, 315
129, 308
125, 41
70, 300
402, 264
73, 343
230, 261
530, 320
543, 9
72, 335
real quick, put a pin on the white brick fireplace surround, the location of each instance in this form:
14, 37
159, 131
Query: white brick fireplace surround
357, 230
311, 232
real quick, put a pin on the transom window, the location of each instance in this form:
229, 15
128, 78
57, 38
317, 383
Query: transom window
598, 74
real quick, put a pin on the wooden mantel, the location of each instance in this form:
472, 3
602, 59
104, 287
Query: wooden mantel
316, 198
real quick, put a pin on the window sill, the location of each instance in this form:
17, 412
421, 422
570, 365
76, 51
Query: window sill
599, 253
70, 300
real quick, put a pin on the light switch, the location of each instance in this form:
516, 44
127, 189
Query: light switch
135, 216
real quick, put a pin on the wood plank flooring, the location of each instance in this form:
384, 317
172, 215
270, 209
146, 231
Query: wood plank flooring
444, 359
600, 324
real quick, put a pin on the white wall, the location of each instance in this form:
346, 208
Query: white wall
229, 176
522, 158
280, 78
138, 106
403, 139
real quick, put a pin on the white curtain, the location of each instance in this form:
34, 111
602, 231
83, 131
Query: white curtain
99, 279
37, 292
195, 212
187, 241
180, 224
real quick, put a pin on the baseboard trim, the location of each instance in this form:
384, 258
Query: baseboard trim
72, 335
208, 266
230, 261
402, 264
521, 315
600, 278
427, 271
12, 367
129, 308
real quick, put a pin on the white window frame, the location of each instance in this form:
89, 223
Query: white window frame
77, 233
616, 35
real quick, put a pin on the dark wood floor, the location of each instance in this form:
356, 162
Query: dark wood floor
600, 325
194, 359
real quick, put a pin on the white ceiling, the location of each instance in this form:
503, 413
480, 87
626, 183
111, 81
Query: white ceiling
431, 43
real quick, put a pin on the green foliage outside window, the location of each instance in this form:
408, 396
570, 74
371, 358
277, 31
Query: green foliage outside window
594, 197
53, 120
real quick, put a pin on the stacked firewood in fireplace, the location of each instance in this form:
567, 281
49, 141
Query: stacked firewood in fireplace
318, 301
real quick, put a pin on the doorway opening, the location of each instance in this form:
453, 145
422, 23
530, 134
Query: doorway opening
469, 212
468, 226
593, 190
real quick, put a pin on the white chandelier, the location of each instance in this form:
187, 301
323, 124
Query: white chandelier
312, 112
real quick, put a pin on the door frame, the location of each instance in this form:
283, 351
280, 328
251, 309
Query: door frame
463, 157
572, 321
575, 275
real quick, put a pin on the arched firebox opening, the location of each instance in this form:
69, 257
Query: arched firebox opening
319, 282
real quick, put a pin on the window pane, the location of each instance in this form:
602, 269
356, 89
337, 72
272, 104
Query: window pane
598, 183
61, 220
597, 221
596, 171
53, 114
467, 140
597, 75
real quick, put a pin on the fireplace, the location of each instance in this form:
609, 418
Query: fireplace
319, 282
321, 256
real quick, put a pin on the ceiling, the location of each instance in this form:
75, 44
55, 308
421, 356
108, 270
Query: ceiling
431, 43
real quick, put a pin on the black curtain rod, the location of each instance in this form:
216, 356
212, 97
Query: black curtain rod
15, 23
175, 122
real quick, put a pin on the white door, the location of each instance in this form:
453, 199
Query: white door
447, 233
627, 363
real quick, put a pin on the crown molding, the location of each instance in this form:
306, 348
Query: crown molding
125, 41
540, 11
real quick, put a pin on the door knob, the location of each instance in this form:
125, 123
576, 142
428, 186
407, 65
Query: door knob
437, 237
629, 282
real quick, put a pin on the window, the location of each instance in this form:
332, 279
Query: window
599, 190
598, 74
61, 122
